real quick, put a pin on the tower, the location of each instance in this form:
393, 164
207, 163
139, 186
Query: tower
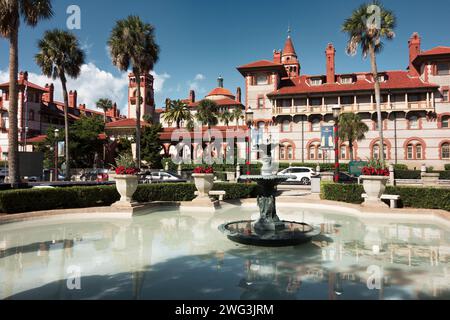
414, 44
147, 96
330, 53
289, 58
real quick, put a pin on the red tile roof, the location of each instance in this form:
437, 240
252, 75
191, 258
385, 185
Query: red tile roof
436, 51
37, 139
220, 102
263, 65
395, 80
221, 92
289, 48
24, 82
166, 134
125, 123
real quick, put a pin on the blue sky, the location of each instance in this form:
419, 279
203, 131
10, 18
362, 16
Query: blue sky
202, 39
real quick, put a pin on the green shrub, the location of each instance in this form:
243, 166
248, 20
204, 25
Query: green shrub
444, 175
26, 200
403, 167
408, 174
350, 193
447, 167
410, 197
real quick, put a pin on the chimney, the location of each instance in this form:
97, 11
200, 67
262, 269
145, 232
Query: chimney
414, 50
192, 96
239, 95
277, 56
73, 99
220, 82
82, 107
49, 94
331, 72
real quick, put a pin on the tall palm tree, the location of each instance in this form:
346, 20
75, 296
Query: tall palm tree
132, 43
226, 117
207, 113
366, 27
60, 56
177, 111
237, 114
11, 12
351, 129
104, 104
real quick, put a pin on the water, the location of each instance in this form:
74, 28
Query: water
172, 255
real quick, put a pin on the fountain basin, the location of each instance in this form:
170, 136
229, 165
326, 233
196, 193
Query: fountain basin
293, 234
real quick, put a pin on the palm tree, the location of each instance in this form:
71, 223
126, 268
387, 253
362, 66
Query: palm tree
105, 105
226, 117
132, 42
207, 111
366, 27
237, 114
351, 129
60, 56
11, 11
177, 111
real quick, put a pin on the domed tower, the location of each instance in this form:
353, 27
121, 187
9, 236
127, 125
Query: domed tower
147, 96
289, 58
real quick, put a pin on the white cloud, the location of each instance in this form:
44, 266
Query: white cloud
93, 84
195, 84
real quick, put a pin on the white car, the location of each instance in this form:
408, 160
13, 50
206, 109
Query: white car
303, 175
161, 176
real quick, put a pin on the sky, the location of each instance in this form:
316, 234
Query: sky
202, 39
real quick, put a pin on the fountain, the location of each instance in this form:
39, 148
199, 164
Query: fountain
268, 230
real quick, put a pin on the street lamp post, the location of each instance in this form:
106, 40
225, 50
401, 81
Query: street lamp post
336, 113
249, 120
55, 178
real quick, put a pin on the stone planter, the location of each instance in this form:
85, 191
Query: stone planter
204, 184
374, 187
126, 186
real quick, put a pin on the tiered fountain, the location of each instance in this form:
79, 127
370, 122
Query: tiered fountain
268, 230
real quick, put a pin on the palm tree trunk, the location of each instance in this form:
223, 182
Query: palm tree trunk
138, 120
373, 62
13, 133
104, 143
66, 124
350, 145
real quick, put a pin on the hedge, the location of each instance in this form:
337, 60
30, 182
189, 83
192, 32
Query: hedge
447, 167
411, 174
410, 197
27, 200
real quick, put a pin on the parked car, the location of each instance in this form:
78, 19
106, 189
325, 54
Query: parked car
302, 175
99, 175
160, 176
347, 178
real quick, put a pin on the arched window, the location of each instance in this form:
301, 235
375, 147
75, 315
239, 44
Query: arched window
287, 152
445, 122
315, 125
376, 151
286, 126
315, 152
414, 123
414, 150
445, 151
344, 155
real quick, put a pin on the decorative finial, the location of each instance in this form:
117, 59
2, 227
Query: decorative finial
289, 30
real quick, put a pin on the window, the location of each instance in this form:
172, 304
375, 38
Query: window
418, 151
282, 153
445, 122
347, 100
414, 151
260, 103
381, 78
290, 153
443, 68
315, 126
315, 152
445, 151
414, 122
286, 126
316, 101
376, 151
312, 152
445, 96
410, 151
347, 80
286, 152
316, 81
344, 152
262, 79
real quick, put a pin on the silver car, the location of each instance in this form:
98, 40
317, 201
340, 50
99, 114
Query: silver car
302, 175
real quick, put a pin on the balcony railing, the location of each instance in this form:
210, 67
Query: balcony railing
358, 107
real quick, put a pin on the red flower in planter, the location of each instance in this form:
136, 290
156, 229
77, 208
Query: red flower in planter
121, 170
371, 171
203, 170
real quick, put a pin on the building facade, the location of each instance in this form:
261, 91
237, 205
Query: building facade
415, 106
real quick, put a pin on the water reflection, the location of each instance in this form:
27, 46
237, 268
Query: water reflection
181, 256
